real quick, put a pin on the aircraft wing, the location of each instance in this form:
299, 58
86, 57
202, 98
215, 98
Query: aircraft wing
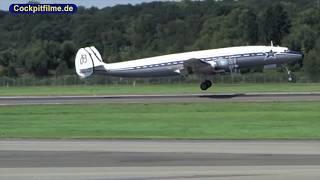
197, 66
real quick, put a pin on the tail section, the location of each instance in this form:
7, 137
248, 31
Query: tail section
88, 60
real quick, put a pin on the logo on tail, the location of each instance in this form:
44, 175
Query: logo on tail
83, 59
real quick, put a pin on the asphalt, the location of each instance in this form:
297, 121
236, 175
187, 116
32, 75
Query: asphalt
219, 97
159, 159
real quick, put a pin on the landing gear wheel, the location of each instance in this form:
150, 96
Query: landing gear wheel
205, 85
209, 83
292, 78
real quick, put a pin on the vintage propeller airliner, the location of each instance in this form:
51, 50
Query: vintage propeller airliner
204, 63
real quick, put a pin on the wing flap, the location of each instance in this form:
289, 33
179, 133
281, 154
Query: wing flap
196, 66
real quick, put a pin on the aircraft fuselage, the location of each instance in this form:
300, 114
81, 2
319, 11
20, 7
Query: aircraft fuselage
221, 60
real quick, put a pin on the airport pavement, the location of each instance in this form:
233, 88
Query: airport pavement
219, 97
159, 159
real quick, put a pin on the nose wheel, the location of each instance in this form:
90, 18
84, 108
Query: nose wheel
291, 77
205, 85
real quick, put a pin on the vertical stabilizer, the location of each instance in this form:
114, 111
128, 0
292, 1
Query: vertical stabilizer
87, 61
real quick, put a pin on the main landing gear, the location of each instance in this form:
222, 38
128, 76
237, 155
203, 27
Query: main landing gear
205, 85
291, 77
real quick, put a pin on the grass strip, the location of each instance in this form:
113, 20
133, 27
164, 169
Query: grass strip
269, 120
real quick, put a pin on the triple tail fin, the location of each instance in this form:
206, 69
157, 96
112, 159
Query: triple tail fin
87, 61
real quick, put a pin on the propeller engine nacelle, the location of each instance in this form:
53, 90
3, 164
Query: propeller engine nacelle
220, 65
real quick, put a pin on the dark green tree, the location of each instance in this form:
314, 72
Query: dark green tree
248, 26
62, 69
8, 57
68, 51
312, 62
12, 71
36, 61
46, 44
275, 24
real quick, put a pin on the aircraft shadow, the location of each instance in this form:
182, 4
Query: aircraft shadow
221, 96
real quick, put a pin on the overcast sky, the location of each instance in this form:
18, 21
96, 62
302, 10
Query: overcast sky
4, 4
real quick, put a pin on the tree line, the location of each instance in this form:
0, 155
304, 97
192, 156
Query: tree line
45, 45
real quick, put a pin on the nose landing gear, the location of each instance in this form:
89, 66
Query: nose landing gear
205, 85
291, 77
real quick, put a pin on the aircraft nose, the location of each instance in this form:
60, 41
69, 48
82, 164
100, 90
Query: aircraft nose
300, 54
296, 55
300, 62
300, 58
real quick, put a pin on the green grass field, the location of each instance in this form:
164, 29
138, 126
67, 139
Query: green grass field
269, 120
157, 89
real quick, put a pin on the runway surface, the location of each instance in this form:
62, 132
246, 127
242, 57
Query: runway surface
159, 159
228, 97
